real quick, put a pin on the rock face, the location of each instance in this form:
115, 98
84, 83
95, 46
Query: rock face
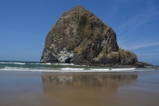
80, 37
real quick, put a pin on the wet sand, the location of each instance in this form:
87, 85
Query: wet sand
79, 89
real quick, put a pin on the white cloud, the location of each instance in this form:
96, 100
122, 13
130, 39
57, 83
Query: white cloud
140, 45
139, 20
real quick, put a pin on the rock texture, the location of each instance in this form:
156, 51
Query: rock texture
144, 65
80, 37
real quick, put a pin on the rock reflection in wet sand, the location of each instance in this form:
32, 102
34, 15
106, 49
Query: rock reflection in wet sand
84, 89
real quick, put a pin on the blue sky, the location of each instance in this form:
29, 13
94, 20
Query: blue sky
24, 25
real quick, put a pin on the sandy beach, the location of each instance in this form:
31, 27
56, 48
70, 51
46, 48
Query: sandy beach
79, 89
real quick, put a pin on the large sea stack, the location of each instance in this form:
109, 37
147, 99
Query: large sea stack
80, 37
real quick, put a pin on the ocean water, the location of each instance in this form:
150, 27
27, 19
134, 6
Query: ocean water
60, 67
46, 84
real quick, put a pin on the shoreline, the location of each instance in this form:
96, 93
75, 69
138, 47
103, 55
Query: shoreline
76, 89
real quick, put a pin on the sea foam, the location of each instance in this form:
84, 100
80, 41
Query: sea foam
60, 67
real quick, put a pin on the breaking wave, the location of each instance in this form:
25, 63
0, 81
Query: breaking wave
59, 67
18, 63
68, 69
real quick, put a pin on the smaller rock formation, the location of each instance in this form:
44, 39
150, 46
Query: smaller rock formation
144, 65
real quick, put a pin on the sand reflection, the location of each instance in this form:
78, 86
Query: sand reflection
88, 89
87, 80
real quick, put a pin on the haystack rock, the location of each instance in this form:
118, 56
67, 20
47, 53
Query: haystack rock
80, 37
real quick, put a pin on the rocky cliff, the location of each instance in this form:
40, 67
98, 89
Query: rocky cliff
80, 37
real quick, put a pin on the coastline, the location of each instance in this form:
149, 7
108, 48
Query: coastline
65, 67
70, 89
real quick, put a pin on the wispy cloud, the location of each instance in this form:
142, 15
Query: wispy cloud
139, 20
140, 45
134, 24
